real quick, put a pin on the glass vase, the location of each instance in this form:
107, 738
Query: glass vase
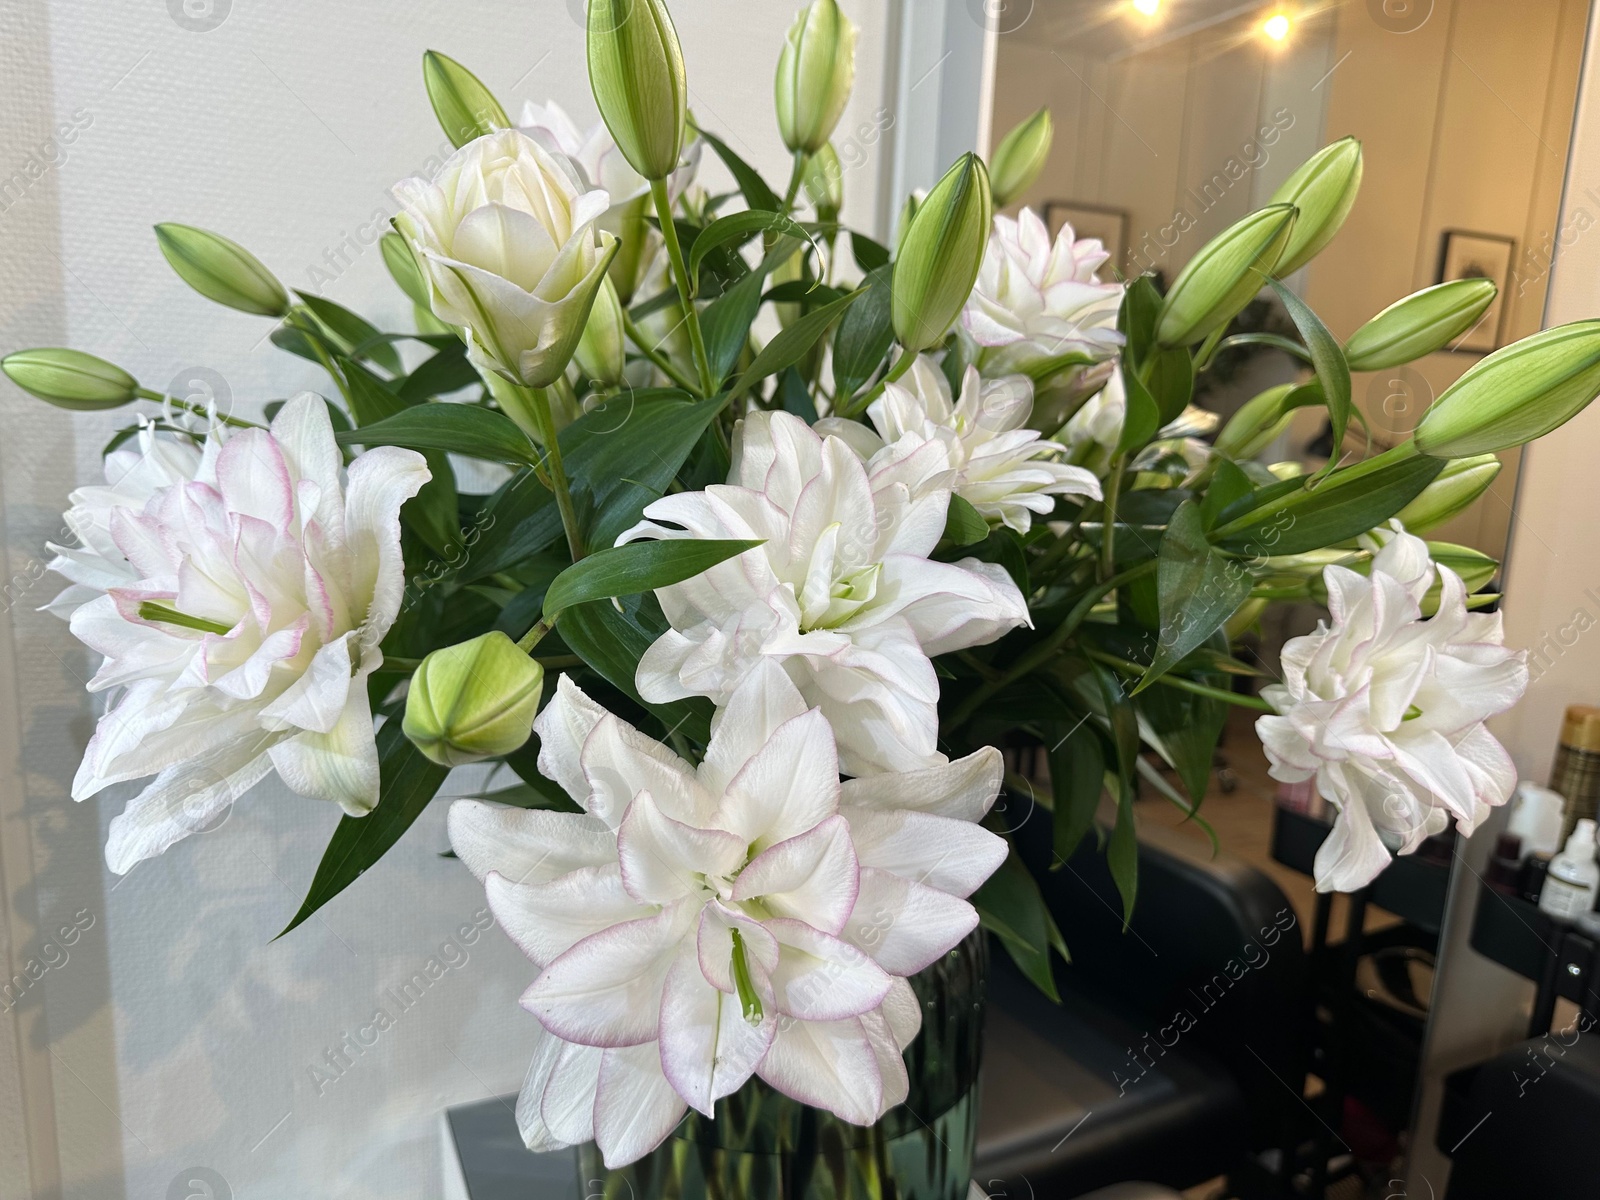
761, 1145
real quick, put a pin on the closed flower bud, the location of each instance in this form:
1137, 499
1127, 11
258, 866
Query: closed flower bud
815, 74
1461, 482
600, 352
636, 71
1021, 157
1257, 424
1224, 276
465, 108
71, 379
1324, 190
1516, 394
1423, 322
221, 270
940, 255
824, 184
473, 701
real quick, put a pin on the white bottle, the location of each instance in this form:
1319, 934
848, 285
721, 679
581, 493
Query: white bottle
1569, 888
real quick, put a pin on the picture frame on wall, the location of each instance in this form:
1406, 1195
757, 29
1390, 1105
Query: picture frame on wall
1468, 254
1109, 225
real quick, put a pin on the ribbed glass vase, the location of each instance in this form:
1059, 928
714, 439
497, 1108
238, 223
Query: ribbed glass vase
764, 1146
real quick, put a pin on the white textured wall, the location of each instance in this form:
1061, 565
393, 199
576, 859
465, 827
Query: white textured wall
173, 1034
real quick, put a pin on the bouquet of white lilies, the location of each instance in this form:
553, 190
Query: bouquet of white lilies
778, 512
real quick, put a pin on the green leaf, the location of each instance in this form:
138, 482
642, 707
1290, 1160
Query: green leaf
1077, 776
353, 335
864, 336
465, 108
458, 428
402, 264
734, 230
869, 255
964, 525
1199, 589
408, 781
531, 795
1136, 320
1228, 485
1346, 504
726, 322
1010, 907
1171, 382
1184, 728
1143, 417
636, 568
370, 400
791, 345
613, 642
434, 513
1122, 855
756, 192
1327, 356
447, 371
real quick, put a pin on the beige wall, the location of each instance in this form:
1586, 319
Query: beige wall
1465, 123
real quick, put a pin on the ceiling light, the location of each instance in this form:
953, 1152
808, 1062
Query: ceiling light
1276, 27
1146, 8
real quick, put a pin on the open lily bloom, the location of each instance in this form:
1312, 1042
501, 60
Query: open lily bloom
243, 641
842, 591
697, 926
1386, 711
1003, 469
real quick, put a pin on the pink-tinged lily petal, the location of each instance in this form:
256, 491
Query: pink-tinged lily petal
546, 920
1353, 854
305, 435
563, 727
606, 990
829, 1065
905, 925
820, 978
813, 877
714, 946
963, 790
577, 1068
526, 845
762, 703
952, 856
635, 1108
340, 765
619, 762
663, 860
318, 698
708, 1048
902, 1011
254, 478
381, 480
183, 799
787, 787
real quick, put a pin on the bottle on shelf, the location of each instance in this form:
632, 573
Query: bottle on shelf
1576, 770
1569, 888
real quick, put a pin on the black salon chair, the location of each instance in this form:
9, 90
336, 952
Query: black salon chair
1523, 1123
1181, 1046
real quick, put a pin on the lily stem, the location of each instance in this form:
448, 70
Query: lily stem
1050, 647
539, 400
1185, 685
659, 360
1108, 531
680, 274
900, 367
198, 410
795, 178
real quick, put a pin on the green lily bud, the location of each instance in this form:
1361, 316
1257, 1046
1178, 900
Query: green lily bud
1021, 156
824, 183
1461, 482
600, 354
466, 109
221, 270
1324, 190
1224, 276
908, 213
636, 71
71, 379
404, 270
473, 701
1256, 424
815, 73
1474, 566
1421, 323
1517, 394
940, 255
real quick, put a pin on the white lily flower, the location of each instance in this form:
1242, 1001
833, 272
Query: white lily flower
244, 640
841, 591
506, 237
594, 151
1038, 300
1386, 710
697, 926
134, 473
1003, 469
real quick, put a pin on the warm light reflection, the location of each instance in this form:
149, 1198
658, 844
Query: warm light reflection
1276, 27
1146, 8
